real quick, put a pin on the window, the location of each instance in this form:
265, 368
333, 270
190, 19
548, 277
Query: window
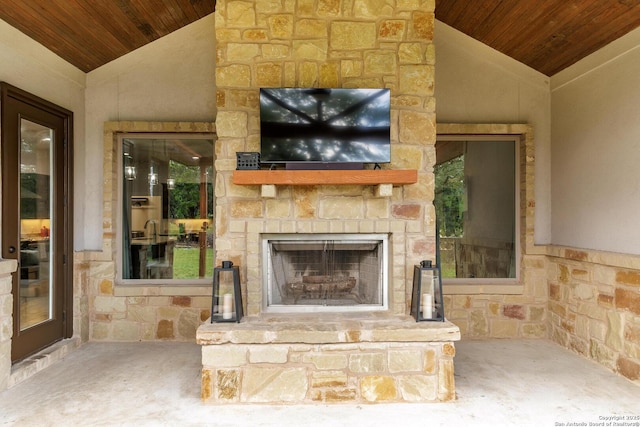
167, 207
477, 205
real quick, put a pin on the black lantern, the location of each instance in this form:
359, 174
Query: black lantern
426, 299
226, 304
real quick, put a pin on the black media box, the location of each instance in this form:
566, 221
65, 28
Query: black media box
247, 161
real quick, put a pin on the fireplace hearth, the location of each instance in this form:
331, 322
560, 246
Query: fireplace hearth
324, 272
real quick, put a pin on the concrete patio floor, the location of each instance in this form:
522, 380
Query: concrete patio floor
499, 383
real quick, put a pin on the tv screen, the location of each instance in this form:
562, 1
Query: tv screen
325, 125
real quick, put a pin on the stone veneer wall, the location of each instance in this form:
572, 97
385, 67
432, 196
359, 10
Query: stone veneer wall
594, 306
325, 43
6, 320
366, 360
110, 311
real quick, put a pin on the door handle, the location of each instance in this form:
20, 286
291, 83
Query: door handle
12, 249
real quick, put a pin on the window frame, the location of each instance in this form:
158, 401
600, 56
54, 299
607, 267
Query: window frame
521, 139
119, 205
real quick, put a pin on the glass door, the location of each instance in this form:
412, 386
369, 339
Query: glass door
36, 286
37, 218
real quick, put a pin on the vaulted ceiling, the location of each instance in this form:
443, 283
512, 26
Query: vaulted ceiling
547, 35
90, 33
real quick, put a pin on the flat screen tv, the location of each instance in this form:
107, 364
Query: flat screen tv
324, 128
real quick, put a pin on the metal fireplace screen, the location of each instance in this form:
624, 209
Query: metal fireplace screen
325, 272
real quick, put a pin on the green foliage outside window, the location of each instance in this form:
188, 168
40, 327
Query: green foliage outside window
449, 196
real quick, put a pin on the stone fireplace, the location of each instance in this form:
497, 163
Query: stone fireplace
343, 273
326, 342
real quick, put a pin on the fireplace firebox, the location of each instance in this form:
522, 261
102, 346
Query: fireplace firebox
324, 272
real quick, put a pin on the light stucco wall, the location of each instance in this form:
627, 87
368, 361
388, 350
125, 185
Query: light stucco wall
29, 66
171, 79
477, 84
596, 150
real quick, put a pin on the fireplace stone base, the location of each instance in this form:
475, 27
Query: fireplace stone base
327, 358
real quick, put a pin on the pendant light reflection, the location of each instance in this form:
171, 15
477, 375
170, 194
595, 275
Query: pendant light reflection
153, 177
129, 169
171, 183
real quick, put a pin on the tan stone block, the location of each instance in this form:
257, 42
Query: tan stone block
421, 27
367, 362
206, 385
615, 334
629, 368
310, 50
628, 300
165, 329
275, 51
308, 74
416, 127
325, 7
377, 208
224, 356
407, 157
311, 28
268, 75
268, 354
99, 330
514, 311
280, 26
277, 208
108, 304
416, 79
305, 199
534, 331
350, 68
372, 9
536, 314
405, 361
125, 331
106, 287
326, 361
6, 329
227, 35
255, 34
228, 385
446, 381
417, 388
238, 75
378, 388
379, 62
341, 208
336, 394
274, 385
410, 53
383, 190
188, 323
351, 35
331, 379
478, 325
231, 124
504, 328
241, 52
241, 14
329, 75
392, 29
268, 6
246, 209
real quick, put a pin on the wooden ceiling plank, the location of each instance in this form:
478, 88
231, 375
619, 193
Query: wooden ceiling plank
95, 37
45, 25
596, 28
114, 22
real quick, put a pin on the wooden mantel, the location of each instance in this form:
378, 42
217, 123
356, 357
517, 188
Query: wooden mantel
325, 177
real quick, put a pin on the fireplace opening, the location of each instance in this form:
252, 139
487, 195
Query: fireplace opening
324, 272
